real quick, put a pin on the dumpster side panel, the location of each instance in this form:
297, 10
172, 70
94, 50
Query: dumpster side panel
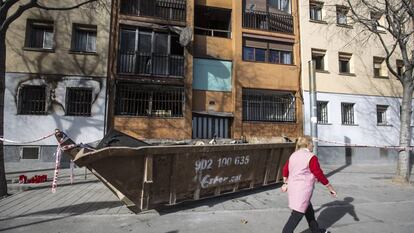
125, 174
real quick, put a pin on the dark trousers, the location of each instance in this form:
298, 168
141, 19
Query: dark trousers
295, 218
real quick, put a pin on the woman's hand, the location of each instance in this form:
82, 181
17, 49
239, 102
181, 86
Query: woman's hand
331, 190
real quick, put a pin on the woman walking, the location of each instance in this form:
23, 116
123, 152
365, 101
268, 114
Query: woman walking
300, 173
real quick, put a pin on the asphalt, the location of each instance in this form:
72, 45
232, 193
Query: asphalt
368, 201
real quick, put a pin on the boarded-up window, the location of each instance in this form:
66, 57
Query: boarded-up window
210, 126
30, 152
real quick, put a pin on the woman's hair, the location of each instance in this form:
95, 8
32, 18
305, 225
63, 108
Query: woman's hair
303, 142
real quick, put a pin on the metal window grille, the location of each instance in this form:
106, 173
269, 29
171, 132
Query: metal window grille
210, 126
347, 113
84, 38
143, 100
32, 100
266, 105
78, 101
133, 59
163, 9
39, 35
322, 112
267, 21
382, 114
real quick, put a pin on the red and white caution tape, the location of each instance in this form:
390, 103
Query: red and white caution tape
27, 142
360, 145
57, 166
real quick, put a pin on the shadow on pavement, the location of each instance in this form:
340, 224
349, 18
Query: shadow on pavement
212, 201
332, 212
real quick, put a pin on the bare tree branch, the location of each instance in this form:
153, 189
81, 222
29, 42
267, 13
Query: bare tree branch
16, 14
64, 8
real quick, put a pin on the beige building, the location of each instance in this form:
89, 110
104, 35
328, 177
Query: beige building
55, 78
358, 99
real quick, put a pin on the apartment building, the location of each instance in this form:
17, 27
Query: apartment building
358, 100
55, 78
182, 69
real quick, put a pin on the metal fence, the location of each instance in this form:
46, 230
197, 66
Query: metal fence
164, 9
134, 99
150, 64
268, 21
264, 105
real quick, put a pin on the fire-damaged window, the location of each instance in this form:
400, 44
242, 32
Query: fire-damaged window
78, 101
146, 100
39, 34
163, 9
32, 100
268, 105
211, 21
146, 52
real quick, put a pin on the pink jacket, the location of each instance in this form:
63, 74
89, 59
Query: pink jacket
301, 181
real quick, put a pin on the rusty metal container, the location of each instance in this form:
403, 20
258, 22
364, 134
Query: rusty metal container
148, 177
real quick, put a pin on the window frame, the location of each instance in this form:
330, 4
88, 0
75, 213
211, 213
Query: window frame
399, 67
319, 53
344, 57
344, 120
34, 24
260, 98
89, 28
22, 102
31, 147
342, 11
67, 102
384, 110
268, 51
381, 62
316, 5
322, 118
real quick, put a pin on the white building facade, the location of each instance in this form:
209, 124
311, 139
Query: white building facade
358, 99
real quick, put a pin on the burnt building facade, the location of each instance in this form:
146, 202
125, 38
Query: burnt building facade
181, 69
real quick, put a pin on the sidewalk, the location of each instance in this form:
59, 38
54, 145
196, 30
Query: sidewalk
368, 201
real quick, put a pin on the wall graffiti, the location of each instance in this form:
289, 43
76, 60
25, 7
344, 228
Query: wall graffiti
218, 171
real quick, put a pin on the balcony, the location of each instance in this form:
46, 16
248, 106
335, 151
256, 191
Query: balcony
273, 22
162, 9
151, 64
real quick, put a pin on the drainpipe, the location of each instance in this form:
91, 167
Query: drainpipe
313, 109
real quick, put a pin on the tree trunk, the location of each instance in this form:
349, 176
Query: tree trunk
3, 183
403, 165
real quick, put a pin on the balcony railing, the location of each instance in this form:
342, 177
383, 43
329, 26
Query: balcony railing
151, 64
212, 32
274, 22
163, 9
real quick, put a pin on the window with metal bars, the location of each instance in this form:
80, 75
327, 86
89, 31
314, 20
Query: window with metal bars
78, 101
84, 38
382, 114
347, 113
39, 34
322, 112
134, 99
268, 105
32, 100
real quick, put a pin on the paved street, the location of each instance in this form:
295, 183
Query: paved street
368, 201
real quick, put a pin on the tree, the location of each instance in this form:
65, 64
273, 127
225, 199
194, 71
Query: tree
10, 10
398, 39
